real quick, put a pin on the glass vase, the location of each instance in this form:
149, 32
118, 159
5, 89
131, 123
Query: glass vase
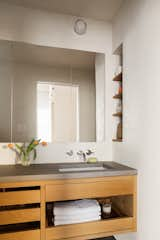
26, 159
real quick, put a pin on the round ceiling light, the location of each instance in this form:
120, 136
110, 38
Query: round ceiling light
80, 26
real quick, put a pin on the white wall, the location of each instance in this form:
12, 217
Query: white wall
49, 29
138, 27
100, 96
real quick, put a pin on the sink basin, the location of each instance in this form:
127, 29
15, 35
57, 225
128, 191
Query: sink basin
82, 169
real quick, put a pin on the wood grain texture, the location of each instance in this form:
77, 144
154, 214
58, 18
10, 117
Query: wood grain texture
135, 203
123, 204
77, 230
19, 216
43, 212
58, 181
14, 184
98, 235
118, 78
117, 140
66, 189
19, 197
25, 235
118, 114
108, 187
117, 96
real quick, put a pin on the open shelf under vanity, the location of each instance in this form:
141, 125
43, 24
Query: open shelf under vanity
121, 215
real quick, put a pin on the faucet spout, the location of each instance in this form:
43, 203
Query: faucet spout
82, 155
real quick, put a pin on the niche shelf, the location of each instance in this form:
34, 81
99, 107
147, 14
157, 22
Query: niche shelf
117, 140
118, 114
118, 79
117, 96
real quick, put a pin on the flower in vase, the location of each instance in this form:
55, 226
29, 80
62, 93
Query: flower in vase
35, 142
44, 143
25, 153
10, 145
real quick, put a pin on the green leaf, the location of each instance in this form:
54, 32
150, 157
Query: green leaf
30, 146
18, 146
35, 154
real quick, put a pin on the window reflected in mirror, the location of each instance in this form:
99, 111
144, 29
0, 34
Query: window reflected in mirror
57, 112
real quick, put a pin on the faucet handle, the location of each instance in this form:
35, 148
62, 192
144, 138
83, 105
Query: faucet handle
70, 153
89, 152
80, 153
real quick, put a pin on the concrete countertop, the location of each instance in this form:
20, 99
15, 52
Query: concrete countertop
33, 172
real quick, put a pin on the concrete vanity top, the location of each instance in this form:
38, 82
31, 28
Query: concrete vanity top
52, 171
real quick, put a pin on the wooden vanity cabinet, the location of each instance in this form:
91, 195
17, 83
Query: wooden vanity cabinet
25, 203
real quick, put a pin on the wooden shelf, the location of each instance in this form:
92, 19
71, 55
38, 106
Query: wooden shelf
118, 78
117, 96
81, 230
118, 114
117, 140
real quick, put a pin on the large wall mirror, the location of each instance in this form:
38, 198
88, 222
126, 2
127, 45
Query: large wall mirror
50, 93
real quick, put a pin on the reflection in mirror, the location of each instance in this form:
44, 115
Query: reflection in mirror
51, 93
56, 102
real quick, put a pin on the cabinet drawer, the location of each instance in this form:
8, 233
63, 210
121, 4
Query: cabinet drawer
75, 231
19, 216
24, 235
19, 197
87, 188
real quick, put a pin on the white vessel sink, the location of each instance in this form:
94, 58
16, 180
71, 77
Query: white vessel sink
82, 169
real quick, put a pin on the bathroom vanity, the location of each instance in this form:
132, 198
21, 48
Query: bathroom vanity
25, 193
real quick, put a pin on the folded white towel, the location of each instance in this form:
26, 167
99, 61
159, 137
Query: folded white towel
63, 222
72, 213
76, 207
76, 217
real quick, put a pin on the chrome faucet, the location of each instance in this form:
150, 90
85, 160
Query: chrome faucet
90, 152
83, 154
70, 153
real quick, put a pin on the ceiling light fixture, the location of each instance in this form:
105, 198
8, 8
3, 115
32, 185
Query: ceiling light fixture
80, 26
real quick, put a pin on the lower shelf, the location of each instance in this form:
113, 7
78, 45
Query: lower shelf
109, 226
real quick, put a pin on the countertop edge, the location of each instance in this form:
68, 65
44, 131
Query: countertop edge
59, 176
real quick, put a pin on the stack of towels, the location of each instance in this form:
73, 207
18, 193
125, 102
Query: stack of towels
78, 211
